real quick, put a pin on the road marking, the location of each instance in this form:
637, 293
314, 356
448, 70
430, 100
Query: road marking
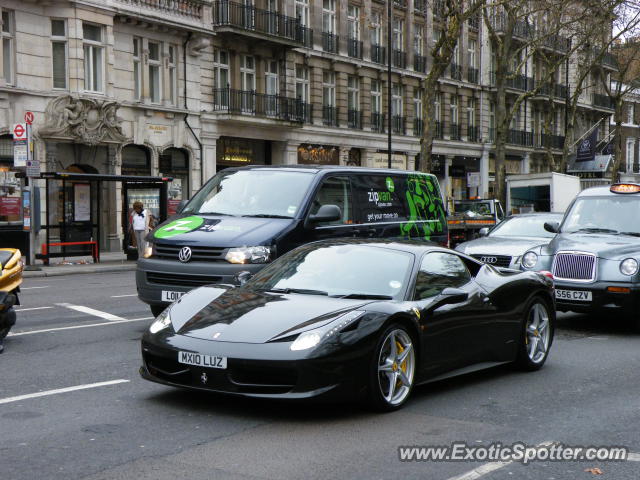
489, 467
31, 308
91, 311
58, 329
61, 390
633, 457
33, 288
128, 295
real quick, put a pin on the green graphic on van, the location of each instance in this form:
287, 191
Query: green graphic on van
390, 186
426, 212
178, 227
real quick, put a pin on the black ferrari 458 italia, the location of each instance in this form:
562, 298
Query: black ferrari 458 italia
352, 319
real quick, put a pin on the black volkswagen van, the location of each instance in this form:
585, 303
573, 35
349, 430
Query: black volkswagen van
243, 218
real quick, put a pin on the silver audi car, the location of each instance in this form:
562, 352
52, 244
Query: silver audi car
504, 245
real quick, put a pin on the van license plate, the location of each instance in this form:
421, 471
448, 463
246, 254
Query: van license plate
170, 296
199, 360
574, 295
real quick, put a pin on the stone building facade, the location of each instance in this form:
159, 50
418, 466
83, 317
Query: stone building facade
184, 88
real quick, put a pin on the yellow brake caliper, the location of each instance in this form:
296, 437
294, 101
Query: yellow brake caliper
403, 365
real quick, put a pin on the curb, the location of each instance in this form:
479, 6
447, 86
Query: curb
60, 271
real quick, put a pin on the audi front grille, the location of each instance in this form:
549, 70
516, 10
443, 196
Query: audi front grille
495, 260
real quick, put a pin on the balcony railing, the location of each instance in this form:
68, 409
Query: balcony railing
248, 102
420, 63
418, 127
378, 54
519, 82
354, 119
399, 59
185, 8
609, 60
421, 6
455, 71
438, 8
557, 42
330, 42
330, 116
521, 28
378, 122
544, 140
400, 3
438, 132
473, 133
520, 137
398, 125
474, 22
249, 18
454, 131
556, 90
472, 75
604, 101
354, 48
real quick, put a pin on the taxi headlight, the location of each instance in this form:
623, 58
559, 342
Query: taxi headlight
161, 322
529, 259
259, 254
629, 266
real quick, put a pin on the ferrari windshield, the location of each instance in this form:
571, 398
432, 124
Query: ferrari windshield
259, 193
610, 214
526, 226
356, 271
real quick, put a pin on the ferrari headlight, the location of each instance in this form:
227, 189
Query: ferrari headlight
163, 321
529, 259
629, 266
306, 340
259, 254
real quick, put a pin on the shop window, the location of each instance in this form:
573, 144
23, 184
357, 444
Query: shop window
174, 163
136, 160
10, 187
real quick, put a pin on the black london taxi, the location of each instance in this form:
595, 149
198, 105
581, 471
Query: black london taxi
243, 218
595, 254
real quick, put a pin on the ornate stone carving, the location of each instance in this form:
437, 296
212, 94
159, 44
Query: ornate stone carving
87, 120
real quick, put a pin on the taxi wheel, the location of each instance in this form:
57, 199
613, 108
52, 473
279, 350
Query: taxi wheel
536, 334
392, 370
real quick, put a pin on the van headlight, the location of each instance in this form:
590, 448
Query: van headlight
149, 250
161, 322
629, 266
259, 254
529, 259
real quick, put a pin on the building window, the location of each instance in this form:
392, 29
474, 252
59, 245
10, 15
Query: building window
398, 34
154, 73
248, 82
93, 57
329, 16
353, 22
454, 109
630, 112
59, 53
353, 93
436, 36
471, 52
172, 66
302, 83
376, 28
437, 107
376, 97
137, 68
302, 12
630, 154
220, 78
417, 103
418, 40
396, 100
328, 89
7, 33
471, 112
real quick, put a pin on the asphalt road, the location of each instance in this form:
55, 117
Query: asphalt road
587, 394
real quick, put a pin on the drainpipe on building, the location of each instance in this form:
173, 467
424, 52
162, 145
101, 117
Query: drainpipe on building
186, 114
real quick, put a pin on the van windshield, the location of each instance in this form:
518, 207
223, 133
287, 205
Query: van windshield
611, 214
252, 193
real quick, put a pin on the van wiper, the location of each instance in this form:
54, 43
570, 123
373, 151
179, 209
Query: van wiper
365, 296
266, 215
633, 234
594, 230
215, 213
305, 291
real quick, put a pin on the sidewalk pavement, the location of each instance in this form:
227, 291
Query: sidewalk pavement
109, 262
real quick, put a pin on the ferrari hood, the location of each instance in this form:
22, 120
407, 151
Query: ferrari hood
249, 316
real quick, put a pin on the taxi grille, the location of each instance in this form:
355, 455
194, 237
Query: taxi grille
198, 253
574, 266
495, 260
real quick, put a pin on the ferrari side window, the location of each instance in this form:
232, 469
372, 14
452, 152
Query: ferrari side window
438, 271
335, 191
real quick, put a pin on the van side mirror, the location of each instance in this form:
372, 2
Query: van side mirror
326, 213
182, 204
552, 227
483, 232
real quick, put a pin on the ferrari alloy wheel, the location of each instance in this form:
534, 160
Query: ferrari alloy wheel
537, 335
394, 369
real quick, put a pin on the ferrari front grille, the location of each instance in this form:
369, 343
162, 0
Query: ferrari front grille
576, 266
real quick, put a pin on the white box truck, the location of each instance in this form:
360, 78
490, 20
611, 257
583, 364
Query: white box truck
541, 192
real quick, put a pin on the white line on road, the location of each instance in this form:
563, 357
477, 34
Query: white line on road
61, 390
31, 332
489, 467
128, 295
31, 308
633, 457
33, 288
91, 311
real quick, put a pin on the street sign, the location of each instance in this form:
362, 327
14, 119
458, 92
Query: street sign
20, 153
33, 168
28, 118
19, 131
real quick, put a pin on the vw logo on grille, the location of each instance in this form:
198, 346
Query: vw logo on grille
184, 255
204, 378
486, 259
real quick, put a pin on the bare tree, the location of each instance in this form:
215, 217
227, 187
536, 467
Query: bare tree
451, 16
